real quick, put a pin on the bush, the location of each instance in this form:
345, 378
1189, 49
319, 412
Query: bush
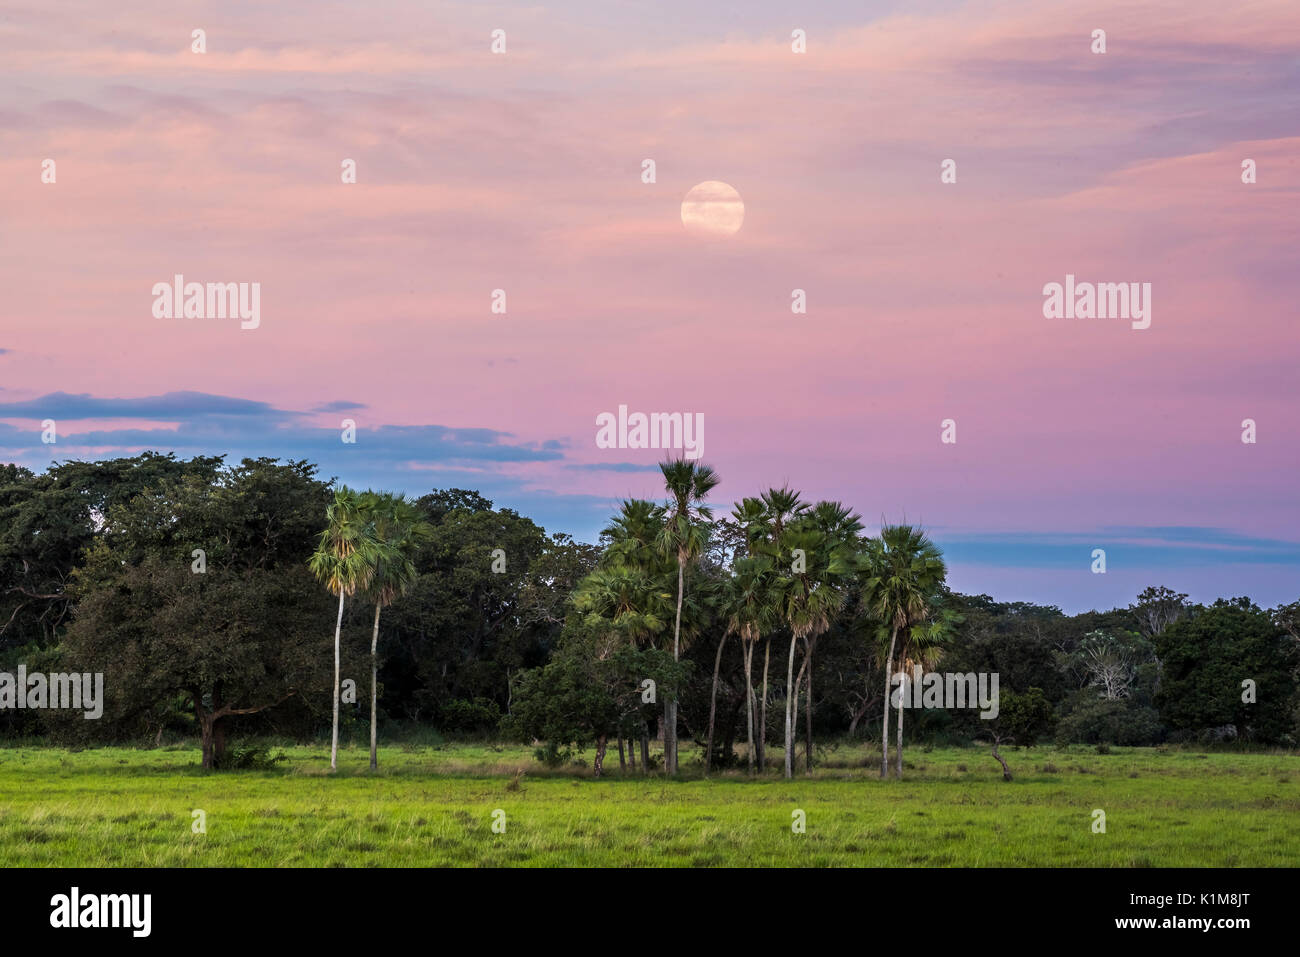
553, 755
1116, 721
481, 714
1024, 718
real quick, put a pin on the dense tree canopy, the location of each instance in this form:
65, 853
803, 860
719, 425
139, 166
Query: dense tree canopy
1228, 671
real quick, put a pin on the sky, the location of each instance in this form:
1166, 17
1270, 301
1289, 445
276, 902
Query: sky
522, 171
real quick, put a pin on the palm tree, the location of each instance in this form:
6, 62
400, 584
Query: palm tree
632, 533
752, 518
783, 506
685, 535
813, 597
923, 645
624, 601
398, 528
344, 560
780, 506
751, 606
628, 604
903, 572
841, 525
633, 581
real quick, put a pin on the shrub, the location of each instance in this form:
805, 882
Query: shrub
1024, 718
553, 755
1094, 720
480, 714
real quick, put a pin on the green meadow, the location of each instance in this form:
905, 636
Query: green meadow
435, 806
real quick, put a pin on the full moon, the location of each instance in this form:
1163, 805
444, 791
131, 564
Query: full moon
713, 209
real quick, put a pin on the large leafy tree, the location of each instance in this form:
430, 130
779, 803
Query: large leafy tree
1208, 658
588, 692
1157, 608
552, 576
488, 602
48, 521
684, 536
1022, 642
230, 633
1109, 663
344, 561
483, 607
903, 572
1287, 617
32, 587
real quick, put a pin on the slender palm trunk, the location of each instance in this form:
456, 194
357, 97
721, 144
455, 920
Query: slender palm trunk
884, 731
789, 723
374, 692
798, 686
749, 700
645, 747
713, 706
670, 731
338, 630
807, 709
666, 731
622, 761
898, 757
762, 709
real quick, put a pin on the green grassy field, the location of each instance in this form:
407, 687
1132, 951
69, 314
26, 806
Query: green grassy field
434, 806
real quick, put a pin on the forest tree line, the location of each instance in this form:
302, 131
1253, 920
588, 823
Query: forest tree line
209, 596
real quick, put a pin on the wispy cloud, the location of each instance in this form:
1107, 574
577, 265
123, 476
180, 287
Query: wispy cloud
341, 405
170, 405
614, 467
1125, 547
